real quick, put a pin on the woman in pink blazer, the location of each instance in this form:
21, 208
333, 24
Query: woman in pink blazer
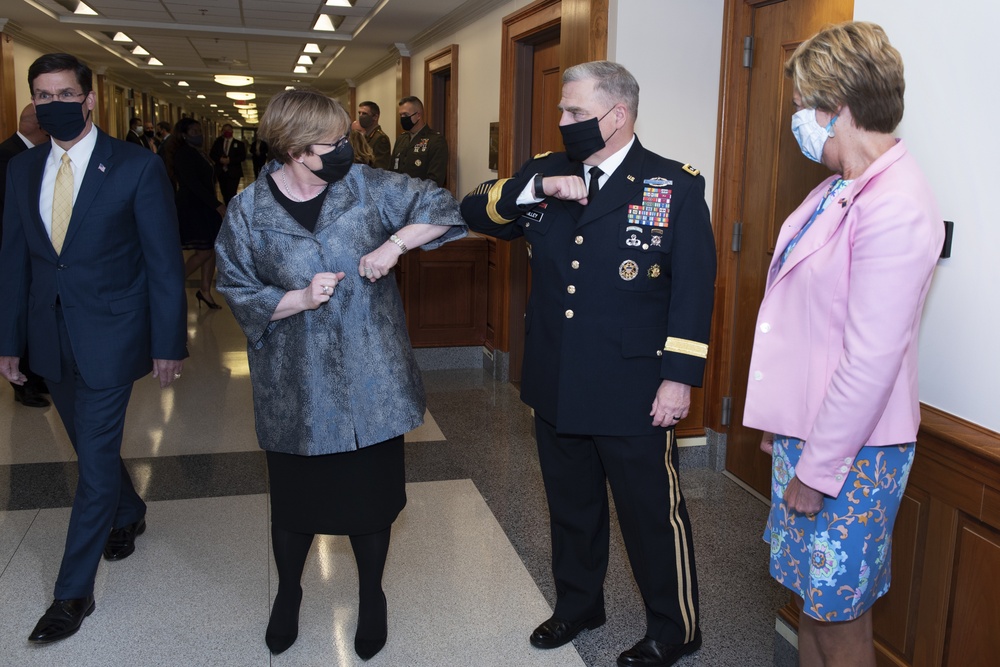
833, 376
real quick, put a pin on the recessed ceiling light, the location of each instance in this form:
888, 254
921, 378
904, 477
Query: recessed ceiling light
338, 3
139, 51
182, 83
300, 70
235, 95
201, 97
289, 87
305, 60
325, 23
155, 62
122, 37
233, 80
312, 48
84, 9
213, 105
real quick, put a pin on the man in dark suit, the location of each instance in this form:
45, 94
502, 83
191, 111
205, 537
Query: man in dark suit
134, 134
617, 327
419, 151
94, 285
28, 134
228, 155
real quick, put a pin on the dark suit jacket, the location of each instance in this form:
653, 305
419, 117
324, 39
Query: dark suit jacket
617, 304
237, 154
119, 278
8, 149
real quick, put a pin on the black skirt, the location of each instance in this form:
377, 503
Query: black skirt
353, 493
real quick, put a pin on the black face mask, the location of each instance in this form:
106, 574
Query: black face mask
195, 140
583, 139
64, 121
366, 122
336, 163
406, 122
149, 134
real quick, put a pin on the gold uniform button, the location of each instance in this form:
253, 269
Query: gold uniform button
575, 264
569, 314
579, 240
571, 289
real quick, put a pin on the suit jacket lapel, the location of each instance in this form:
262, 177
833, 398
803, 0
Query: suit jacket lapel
35, 173
97, 171
619, 188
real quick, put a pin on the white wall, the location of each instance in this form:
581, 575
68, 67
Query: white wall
380, 89
23, 57
951, 93
673, 48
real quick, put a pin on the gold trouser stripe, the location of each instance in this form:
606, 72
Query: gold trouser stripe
491, 203
684, 346
685, 592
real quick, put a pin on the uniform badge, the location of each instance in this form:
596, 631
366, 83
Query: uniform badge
628, 270
655, 208
417, 162
691, 170
658, 182
632, 241
654, 271
656, 241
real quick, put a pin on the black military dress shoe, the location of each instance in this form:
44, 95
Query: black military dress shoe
121, 542
651, 653
556, 632
62, 619
30, 397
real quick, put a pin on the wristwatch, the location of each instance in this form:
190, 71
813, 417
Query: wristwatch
537, 189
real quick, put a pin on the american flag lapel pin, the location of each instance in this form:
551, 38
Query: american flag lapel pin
100, 167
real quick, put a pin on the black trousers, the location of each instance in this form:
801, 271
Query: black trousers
642, 472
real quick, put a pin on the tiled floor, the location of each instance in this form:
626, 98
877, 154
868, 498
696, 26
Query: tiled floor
468, 573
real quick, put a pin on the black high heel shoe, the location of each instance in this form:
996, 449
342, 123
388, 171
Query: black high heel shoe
283, 626
201, 298
368, 647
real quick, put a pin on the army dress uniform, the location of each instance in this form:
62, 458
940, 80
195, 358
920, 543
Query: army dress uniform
621, 299
379, 142
424, 155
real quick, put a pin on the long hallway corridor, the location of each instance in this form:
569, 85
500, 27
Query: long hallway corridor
468, 575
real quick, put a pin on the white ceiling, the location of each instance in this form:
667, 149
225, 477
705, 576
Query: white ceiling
196, 39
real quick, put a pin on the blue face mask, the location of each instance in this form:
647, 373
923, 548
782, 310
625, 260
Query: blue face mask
63, 121
810, 135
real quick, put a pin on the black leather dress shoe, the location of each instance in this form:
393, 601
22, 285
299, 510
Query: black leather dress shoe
121, 542
29, 397
62, 619
651, 653
555, 632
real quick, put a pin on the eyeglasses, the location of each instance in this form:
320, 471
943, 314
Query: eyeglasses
63, 96
337, 145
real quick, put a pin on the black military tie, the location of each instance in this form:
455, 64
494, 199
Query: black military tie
595, 184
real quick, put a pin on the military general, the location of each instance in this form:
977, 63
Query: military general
617, 326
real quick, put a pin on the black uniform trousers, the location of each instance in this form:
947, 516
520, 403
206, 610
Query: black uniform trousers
105, 497
653, 518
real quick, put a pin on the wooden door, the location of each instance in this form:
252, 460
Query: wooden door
776, 178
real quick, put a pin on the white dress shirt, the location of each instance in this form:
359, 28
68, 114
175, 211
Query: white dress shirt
79, 156
609, 165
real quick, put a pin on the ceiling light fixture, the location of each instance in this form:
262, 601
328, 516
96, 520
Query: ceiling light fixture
154, 62
324, 23
300, 70
139, 51
182, 83
338, 3
234, 80
121, 37
84, 10
201, 97
234, 95
305, 60
312, 48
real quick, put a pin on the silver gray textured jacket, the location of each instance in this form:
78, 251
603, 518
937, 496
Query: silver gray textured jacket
342, 376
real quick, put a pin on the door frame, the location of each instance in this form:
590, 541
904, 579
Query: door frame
436, 65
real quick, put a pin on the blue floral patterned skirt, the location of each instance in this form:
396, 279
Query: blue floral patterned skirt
838, 560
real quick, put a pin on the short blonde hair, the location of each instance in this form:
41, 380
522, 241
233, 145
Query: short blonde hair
297, 119
851, 64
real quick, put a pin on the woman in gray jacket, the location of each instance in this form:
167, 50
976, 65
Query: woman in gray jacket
305, 261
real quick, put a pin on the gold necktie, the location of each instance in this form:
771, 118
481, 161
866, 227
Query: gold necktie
62, 203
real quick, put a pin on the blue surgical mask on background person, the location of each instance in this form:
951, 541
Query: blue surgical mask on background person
63, 121
810, 134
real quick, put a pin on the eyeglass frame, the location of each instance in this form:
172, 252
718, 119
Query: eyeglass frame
338, 145
62, 96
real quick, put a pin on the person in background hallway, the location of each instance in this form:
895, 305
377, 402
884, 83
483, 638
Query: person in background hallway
362, 151
93, 285
228, 155
834, 364
367, 123
305, 261
135, 133
149, 136
162, 135
198, 211
258, 155
419, 151
28, 134
616, 334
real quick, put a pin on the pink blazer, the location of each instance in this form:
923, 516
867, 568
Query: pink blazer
835, 351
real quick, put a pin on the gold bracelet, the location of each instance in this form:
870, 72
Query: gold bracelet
398, 241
